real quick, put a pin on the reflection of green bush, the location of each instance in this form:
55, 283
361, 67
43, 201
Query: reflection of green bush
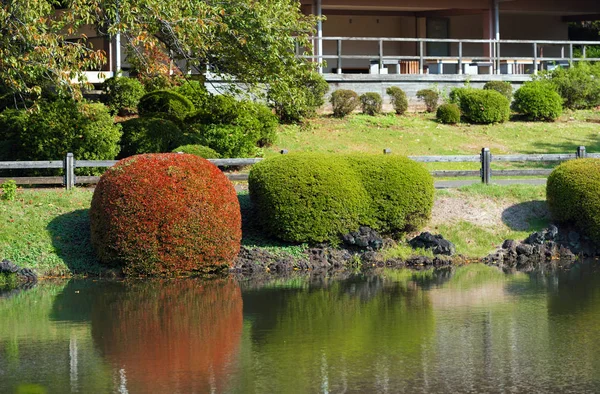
475, 275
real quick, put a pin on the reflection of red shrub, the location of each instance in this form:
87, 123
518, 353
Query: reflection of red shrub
165, 214
172, 336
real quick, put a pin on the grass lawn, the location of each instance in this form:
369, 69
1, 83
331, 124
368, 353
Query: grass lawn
417, 134
48, 230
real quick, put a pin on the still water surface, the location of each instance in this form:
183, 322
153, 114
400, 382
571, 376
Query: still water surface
472, 330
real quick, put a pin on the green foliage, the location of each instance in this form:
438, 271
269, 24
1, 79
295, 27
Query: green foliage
62, 126
484, 106
430, 97
149, 135
401, 192
198, 150
502, 87
398, 98
538, 101
165, 103
268, 123
371, 103
122, 94
448, 114
9, 190
318, 197
578, 85
229, 140
195, 91
457, 94
165, 214
294, 101
573, 195
13, 122
307, 197
344, 102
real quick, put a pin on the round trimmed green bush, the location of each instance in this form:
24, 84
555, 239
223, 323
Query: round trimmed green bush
307, 197
448, 114
400, 190
165, 214
226, 139
457, 94
165, 103
344, 102
371, 103
195, 91
198, 150
430, 97
484, 106
149, 135
502, 87
573, 195
122, 94
398, 98
294, 100
538, 101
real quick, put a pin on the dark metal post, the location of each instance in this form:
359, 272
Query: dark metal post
581, 152
421, 60
486, 166
387, 151
339, 54
283, 151
380, 55
69, 167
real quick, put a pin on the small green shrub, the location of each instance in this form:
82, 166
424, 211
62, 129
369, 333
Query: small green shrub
122, 94
268, 124
573, 195
538, 101
448, 114
294, 100
578, 85
13, 123
398, 98
149, 135
195, 91
198, 150
165, 214
502, 87
228, 140
371, 103
401, 192
9, 190
165, 103
430, 97
484, 106
344, 102
307, 197
457, 94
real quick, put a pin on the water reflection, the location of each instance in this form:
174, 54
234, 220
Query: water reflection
470, 329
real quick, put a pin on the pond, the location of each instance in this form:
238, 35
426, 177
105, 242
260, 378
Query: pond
468, 329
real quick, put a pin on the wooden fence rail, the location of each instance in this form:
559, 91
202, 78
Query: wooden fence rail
485, 158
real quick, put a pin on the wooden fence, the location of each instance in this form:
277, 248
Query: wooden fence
485, 172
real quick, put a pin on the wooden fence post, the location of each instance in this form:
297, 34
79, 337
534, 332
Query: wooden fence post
581, 152
486, 166
69, 167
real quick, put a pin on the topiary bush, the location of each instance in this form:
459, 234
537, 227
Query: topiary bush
195, 91
149, 135
122, 94
62, 126
448, 114
573, 195
538, 101
484, 106
313, 197
307, 197
502, 87
226, 139
294, 100
165, 214
198, 150
371, 103
166, 104
457, 94
578, 85
401, 192
344, 102
430, 97
398, 98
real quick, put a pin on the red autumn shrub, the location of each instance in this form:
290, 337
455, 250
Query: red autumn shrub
165, 214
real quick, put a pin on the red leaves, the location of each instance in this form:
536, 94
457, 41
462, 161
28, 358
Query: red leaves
165, 214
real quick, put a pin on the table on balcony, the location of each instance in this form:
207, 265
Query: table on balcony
469, 66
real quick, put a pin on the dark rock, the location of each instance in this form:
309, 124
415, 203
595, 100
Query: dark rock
419, 261
536, 238
524, 250
435, 243
364, 239
573, 237
510, 244
551, 233
23, 274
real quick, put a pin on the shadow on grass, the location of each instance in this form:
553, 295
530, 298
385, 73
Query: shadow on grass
70, 234
527, 216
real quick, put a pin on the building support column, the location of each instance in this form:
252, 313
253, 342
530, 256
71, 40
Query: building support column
320, 35
117, 44
497, 33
